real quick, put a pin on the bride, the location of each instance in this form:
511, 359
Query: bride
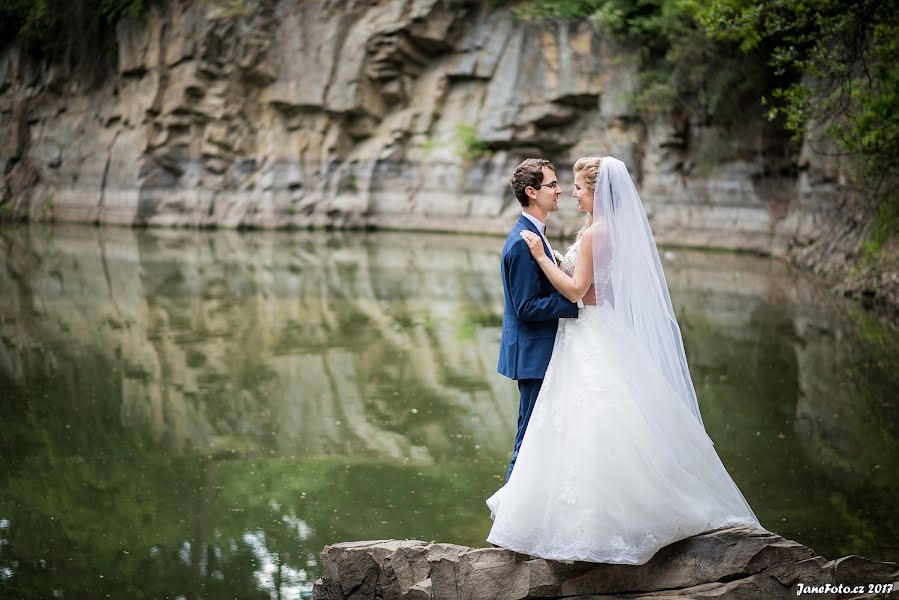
615, 462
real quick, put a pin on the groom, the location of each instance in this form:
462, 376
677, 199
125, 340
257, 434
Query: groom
532, 306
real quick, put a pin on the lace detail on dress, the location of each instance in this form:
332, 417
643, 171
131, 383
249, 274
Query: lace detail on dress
567, 493
615, 550
604, 272
570, 258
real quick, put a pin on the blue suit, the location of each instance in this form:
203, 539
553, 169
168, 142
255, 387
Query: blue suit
530, 319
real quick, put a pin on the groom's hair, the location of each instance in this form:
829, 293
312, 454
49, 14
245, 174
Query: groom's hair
528, 173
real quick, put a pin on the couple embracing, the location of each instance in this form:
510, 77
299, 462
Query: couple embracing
611, 459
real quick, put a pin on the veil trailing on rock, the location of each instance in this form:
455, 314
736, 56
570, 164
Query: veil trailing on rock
628, 275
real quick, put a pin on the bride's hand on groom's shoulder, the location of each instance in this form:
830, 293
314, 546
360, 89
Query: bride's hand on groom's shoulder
535, 244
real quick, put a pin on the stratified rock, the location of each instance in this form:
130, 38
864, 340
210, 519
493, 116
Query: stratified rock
717, 556
444, 562
405, 568
400, 113
408, 113
736, 563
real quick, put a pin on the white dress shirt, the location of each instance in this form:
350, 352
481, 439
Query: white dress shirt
541, 227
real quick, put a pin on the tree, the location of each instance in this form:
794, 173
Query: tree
823, 61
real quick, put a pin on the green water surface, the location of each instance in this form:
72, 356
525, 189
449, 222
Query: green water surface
196, 414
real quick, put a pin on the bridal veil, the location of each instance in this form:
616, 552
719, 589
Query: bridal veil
628, 274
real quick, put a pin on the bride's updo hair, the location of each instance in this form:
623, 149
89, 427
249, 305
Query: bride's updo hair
590, 166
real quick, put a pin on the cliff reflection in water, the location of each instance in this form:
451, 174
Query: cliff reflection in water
301, 344
198, 413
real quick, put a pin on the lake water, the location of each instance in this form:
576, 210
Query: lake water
196, 414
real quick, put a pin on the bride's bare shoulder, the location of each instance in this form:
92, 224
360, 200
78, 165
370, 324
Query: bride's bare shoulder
597, 229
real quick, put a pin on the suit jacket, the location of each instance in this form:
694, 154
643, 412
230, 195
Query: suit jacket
532, 308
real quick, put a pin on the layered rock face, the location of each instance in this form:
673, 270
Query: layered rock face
391, 113
728, 563
400, 113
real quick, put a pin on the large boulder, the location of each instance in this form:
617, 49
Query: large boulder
733, 563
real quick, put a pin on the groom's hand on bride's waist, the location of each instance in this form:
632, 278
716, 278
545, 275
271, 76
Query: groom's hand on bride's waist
590, 296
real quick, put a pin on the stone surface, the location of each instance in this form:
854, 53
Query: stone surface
731, 563
399, 113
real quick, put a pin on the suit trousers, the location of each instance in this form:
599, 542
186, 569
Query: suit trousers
528, 390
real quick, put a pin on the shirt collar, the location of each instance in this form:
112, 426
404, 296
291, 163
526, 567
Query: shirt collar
541, 226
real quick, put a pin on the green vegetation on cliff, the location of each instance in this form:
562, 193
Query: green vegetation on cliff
77, 31
843, 59
823, 62
843, 65
808, 60
684, 70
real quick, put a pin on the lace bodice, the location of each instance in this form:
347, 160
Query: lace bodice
570, 257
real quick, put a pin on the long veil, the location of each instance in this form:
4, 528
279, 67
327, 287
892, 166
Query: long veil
628, 275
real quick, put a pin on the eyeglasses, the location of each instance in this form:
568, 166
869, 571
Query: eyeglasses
551, 185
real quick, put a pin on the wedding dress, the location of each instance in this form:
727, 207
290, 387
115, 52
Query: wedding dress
614, 464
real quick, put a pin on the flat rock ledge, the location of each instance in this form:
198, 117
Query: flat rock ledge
726, 563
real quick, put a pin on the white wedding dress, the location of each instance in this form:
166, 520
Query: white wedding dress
613, 465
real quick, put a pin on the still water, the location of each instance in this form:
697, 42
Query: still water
196, 414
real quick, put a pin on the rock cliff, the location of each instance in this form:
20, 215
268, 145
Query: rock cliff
392, 113
728, 563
